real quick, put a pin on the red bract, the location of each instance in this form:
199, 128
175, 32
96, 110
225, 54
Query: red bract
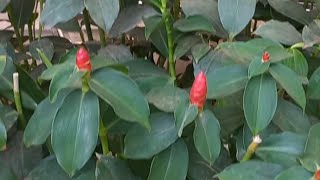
83, 60
317, 175
198, 91
265, 57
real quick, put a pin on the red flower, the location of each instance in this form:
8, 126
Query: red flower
83, 60
317, 175
198, 90
265, 57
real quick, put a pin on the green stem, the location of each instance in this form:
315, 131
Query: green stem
102, 37
166, 17
44, 59
252, 148
17, 100
103, 134
87, 24
82, 37
298, 45
15, 27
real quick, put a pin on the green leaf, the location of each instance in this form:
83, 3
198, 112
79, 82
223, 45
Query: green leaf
118, 53
291, 9
44, 45
3, 61
294, 173
206, 136
52, 8
282, 32
290, 117
74, 131
3, 136
7, 173
313, 91
260, 102
207, 9
194, 23
199, 50
39, 126
297, 63
103, 12
184, 45
310, 33
166, 98
278, 53
113, 169
8, 116
22, 11
3, 4
226, 81
161, 135
122, 94
236, 14
257, 67
290, 81
184, 114
310, 159
151, 24
283, 148
251, 170
155, 31
171, 163
70, 26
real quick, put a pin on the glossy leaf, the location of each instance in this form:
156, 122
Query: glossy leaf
7, 173
171, 163
294, 173
260, 102
113, 169
184, 114
3, 60
3, 4
251, 170
257, 67
206, 136
53, 9
199, 50
310, 33
278, 53
236, 14
44, 45
313, 91
297, 63
184, 45
79, 113
155, 30
226, 81
118, 53
290, 81
281, 32
39, 126
22, 11
8, 116
97, 9
3, 136
194, 23
161, 135
310, 159
122, 94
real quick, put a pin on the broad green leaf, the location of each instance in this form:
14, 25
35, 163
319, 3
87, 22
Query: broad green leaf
70, 26
103, 12
290, 117
260, 102
122, 94
3, 136
290, 81
291, 9
161, 135
3, 4
8, 116
311, 33
44, 45
166, 98
207, 9
251, 170
171, 163
236, 14
257, 67
278, 53
74, 131
7, 173
297, 63
53, 9
118, 53
39, 126
151, 24
313, 91
156, 32
283, 148
294, 173
199, 50
226, 81
129, 17
3, 60
194, 23
113, 169
184, 114
206, 136
184, 45
310, 159
281, 32
22, 11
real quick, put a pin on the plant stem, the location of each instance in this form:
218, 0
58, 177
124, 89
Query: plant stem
82, 36
15, 27
17, 100
166, 17
30, 31
102, 37
87, 24
176, 9
103, 134
252, 148
40, 26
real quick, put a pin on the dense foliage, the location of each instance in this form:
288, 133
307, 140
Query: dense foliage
245, 107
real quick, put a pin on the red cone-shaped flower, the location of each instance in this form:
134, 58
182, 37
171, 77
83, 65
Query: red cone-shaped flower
317, 175
83, 60
265, 57
198, 91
